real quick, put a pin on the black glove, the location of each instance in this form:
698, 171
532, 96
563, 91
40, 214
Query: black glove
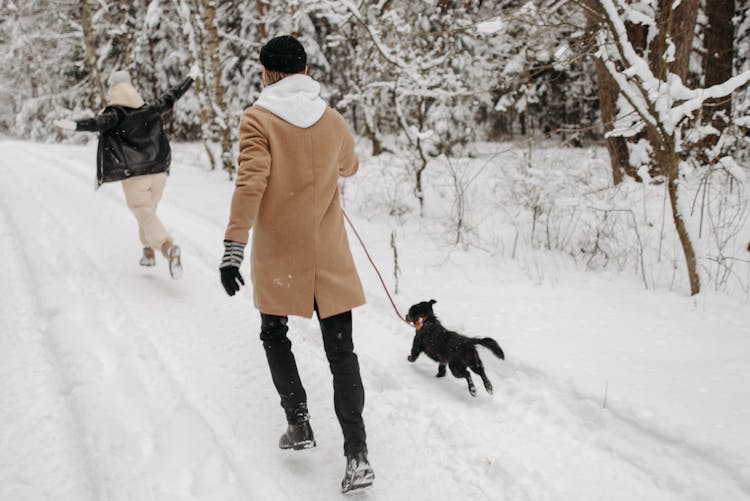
231, 279
230, 266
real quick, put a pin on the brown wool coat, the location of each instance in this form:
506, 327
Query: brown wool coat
287, 192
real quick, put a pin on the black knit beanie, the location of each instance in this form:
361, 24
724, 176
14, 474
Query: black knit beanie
284, 54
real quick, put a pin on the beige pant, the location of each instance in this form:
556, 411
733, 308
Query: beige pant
143, 194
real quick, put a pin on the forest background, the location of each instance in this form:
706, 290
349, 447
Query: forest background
507, 103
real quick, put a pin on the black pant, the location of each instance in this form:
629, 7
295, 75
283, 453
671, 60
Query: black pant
348, 393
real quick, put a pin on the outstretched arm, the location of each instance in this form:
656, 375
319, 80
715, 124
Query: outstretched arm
167, 100
103, 121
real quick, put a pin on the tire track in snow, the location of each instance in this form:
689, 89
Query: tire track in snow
40, 446
145, 439
255, 475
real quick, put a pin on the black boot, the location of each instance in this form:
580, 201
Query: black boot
359, 474
299, 434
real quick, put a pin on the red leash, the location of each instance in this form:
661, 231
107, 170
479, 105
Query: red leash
385, 287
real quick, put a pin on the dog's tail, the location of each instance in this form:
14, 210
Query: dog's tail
491, 345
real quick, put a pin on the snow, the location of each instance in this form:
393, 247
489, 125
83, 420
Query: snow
491, 27
561, 51
515, 65
117, 383
154, 14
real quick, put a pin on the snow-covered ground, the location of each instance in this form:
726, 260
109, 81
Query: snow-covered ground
117, 383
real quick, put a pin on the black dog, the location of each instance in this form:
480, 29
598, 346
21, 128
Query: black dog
447, 347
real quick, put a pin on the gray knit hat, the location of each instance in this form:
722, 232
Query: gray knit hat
121, 91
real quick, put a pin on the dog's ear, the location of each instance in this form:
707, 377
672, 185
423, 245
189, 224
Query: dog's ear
432, 301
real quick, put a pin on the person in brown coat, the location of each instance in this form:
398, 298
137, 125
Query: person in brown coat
293, 149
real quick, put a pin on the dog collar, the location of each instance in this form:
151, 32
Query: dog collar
418, 324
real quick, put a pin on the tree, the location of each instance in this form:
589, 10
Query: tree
212, 46
655, 100
90, 46
718, 64
196, 57
617, 146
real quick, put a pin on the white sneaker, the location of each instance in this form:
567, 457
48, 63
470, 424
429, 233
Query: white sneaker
148, 259
175, 264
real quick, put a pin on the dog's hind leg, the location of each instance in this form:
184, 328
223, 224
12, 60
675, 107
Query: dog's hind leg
478, 367
470, 382
461, 372
441, 371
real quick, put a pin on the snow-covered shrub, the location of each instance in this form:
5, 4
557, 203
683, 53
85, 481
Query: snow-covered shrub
533, 202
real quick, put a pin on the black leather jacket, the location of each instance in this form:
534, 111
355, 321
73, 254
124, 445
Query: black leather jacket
132, 141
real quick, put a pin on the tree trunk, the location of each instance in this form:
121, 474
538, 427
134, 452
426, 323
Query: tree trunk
199, 86
619, 154
200, 46
221, 111
125, 27
679, 26
377, 146
422, 109
372, 133
260, 7
152, 57
669, 161
718, 63
95, 77
682, 32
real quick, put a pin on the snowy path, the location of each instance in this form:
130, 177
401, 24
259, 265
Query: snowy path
117, 383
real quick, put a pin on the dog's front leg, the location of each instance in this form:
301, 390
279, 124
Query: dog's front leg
441, 371
416, 349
